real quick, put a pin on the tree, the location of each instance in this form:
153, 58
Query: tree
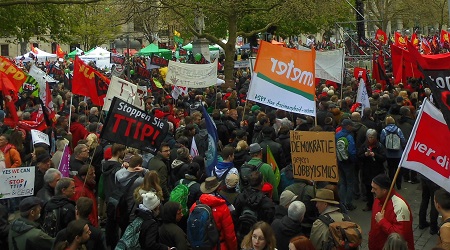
385, 11
426, 13
45, 2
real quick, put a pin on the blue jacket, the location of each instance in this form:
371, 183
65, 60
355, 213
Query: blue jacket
351, 143
392, 128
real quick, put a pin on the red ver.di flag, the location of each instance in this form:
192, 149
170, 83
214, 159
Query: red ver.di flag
129, 125
429, 155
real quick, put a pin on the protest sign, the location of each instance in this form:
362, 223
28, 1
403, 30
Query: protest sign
284, 78
125, 91
160, 61
39, 137
17, 182
192, 75
428, 154
314, 156
127, 124
242, 64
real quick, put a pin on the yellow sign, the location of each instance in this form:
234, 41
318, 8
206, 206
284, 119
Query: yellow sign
314, 156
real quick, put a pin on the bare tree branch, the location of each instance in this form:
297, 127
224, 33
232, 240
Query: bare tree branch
27, 2
254, 32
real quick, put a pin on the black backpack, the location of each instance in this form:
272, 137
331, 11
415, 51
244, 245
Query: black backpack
117, 207
51, 221
247, 219
246, 170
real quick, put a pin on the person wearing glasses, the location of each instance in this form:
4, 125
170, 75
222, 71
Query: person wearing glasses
260, 237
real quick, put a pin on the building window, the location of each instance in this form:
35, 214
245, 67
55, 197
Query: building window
4, 50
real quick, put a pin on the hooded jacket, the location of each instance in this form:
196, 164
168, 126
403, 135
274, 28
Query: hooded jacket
109, 169
67, 209
285, 229
257, 201
179, 169
392, 128
170, 233
123, 176
148, 235
223, 220
222, 167
27, 235
158, 163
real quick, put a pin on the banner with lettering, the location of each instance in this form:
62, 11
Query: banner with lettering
126, 91
159, 61
284, 78
12, 72
39, 137
129, 125
426, 154
17, 182
314, 156
89, 82
192, 75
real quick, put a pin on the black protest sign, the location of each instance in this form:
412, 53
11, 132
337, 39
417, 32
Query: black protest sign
160, 61
314, 156
126, 124
439, 83
117, 58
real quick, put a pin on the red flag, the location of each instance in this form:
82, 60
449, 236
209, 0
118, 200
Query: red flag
33, 49
425, 46
444, 37
89, 82
59, 52
12, 72
399, 40
379, 70
10, 94
414, 40
427, 154
360, 72
381, 36
403, 64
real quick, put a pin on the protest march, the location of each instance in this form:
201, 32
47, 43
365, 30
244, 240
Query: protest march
297, 151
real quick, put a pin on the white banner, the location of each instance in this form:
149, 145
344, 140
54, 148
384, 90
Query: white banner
362, 96
41, 77
192, 75
329, 64
242, 64
39, 137
17, 182
125, 91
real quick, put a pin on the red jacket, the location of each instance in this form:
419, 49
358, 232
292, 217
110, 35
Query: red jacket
397, 219
78, 131
223, 220
82, 190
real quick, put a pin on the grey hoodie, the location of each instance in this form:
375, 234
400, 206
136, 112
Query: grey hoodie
123, 176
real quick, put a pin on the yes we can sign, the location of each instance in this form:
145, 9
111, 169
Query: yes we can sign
284, 79
127, 124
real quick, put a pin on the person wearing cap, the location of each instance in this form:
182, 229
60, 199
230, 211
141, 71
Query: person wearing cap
290, 225
25, 232
347, 167
43, 163
256, 152
51, 177
228, 190
396, 217
220, 212
286, 198
12, 156
327, 206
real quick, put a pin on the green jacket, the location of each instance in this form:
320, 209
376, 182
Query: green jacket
27, 235
269, 176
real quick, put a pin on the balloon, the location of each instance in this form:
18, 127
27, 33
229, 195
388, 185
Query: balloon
67, 70
198, 57
132, 72
107, 9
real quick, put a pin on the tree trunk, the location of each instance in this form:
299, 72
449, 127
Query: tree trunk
23, 46
230, 52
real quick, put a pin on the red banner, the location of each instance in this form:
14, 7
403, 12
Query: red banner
429, 155
381, 36
12, 72
89, 82
399, 40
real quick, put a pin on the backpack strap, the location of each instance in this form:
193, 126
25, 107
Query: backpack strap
326, 219
190, 184
224, 175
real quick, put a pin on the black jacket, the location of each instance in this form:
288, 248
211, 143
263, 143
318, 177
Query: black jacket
275, 148
67, 212
149, 235
285, 229
285, 142
257, 202
372, 166
96, 240
46, 193
109, 170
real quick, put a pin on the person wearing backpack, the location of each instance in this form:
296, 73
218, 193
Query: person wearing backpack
264, 168
220, 212
134, 173
169, 232
442, 204
180, 166
251, 206
396, 217
328, 207
346, 155
59, 211
393, 139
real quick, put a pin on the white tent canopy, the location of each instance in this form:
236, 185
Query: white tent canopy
329, 64
100, 56
41, 56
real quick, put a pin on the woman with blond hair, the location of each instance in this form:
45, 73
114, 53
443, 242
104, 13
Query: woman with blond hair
151, 183
260, 237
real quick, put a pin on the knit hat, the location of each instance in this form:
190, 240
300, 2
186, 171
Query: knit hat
255, 108
231, 180
383, 181
150, 200
287, 197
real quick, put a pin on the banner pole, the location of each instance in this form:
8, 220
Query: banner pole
390, 189
70, 111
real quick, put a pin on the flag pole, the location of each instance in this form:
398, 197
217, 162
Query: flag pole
390, 189
70, 112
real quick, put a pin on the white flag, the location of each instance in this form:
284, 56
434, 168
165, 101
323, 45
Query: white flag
362, 96
194, 150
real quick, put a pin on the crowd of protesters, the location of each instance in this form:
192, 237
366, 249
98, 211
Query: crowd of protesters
287, 212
